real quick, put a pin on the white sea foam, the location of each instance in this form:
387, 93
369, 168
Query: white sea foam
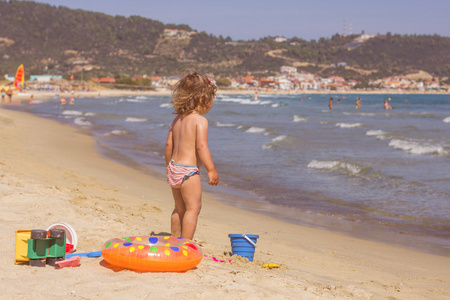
299, 119
250, 102
246, 101
90, 114
343, 167
255, 130
375, 132
82, 122
72, 113
317, 164
349, 125
358, 114
275, 140
135, 100
279, 138
218, 124
379, 134
418, 147
116, 132
276, 105
351, 168
166, 105
131, 119
141, 97
227, 99
119, 132
446, 120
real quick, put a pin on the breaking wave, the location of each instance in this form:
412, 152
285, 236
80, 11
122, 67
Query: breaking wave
379, 134
299, 119
349, 125
342, 167
131, 119
419, 147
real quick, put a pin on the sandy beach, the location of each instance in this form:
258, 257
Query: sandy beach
53, 173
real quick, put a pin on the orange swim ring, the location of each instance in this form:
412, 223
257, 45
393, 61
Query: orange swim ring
153, 253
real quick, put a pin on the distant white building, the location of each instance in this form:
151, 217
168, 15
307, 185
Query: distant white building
284, 83
288, 70
366, 37
44, 78
9, 78
234, 84
307, 85
280, 39
303, 76
178, 33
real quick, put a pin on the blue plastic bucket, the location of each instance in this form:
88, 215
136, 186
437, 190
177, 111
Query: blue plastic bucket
243, 245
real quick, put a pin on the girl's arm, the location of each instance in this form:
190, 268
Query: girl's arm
203, 151
169, 147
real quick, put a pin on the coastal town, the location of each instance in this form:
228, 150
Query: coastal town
289, 80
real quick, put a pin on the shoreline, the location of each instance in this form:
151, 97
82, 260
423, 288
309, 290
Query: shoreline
394, 234
23, 96
336, 223
48, 168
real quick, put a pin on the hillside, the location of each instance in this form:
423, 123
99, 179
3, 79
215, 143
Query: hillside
58, 40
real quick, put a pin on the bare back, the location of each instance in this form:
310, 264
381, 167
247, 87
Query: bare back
184, 137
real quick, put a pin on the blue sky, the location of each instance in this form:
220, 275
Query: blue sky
306, 19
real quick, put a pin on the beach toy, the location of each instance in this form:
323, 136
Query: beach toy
85, 254
44, 250
22, 237
270, 266
243, 245
153, 253
69, 248
71, 262
39, 247
218, 260
71, 235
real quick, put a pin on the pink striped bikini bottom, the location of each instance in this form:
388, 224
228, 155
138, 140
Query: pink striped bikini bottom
177, 174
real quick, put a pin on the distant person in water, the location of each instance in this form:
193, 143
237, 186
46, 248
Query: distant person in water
3, 91
358, 103
330, 104
9, 92
255, 96
338, 101
31, 99
387, 105
63, 101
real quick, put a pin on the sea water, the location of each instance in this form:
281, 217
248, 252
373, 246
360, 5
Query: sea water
369, 172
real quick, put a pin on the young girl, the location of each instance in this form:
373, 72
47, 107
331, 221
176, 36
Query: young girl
187, 149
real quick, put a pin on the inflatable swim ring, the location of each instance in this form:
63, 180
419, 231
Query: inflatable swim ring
153, 253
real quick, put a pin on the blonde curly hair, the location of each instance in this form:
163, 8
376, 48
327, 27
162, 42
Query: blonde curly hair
192, 92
